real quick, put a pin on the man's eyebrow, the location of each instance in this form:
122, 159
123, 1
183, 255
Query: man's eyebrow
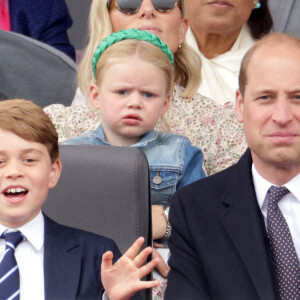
295, 91
266, 90
259, 92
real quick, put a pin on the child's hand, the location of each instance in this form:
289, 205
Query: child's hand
123, 279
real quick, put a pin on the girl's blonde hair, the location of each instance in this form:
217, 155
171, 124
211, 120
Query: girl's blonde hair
187, 62
142, 49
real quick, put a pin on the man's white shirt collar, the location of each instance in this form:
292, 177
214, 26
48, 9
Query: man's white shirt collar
262, 186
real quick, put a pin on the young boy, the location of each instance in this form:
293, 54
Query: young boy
53, 261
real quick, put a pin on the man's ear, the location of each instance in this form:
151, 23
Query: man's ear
55, 170
94, 96
239, 106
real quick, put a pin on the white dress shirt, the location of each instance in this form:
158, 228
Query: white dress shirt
289, 204
219, 75
30, 257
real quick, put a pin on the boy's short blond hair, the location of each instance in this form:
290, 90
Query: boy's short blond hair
30, 122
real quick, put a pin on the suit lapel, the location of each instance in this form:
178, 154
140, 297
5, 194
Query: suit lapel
62, 262
244, 224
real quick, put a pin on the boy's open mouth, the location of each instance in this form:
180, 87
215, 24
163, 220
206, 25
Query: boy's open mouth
15, 192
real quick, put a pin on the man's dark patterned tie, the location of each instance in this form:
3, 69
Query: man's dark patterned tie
284, 253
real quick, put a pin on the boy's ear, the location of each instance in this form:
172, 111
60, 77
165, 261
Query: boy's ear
55, 170
166, 105
94, 96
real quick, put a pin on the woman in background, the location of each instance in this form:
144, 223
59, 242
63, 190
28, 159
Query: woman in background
221, 33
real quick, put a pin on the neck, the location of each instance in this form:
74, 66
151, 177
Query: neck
277, 175
212, 45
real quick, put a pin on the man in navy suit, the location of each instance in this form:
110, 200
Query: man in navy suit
46, 21
220, 248
54, 261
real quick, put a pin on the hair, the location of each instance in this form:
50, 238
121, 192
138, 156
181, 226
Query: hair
30, 122
187, 63
260, 21
142, 49
274, 39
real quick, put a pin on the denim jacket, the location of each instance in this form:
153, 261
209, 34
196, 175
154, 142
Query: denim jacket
173, 162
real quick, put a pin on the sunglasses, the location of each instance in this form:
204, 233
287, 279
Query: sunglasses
130, 7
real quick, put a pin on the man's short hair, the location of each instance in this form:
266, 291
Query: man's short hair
30, 122
273, 40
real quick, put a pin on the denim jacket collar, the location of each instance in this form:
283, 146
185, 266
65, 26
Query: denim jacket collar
146, 139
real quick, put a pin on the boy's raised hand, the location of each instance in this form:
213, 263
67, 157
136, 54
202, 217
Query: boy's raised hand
123, 279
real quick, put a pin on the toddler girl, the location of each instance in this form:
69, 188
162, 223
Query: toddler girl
133, 73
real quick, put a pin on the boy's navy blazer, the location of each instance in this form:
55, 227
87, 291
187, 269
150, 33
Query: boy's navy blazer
44, 20
219, 245
72, 261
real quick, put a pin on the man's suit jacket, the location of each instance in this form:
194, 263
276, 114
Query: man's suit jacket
219, 245
44, 20
72, 260
286, 15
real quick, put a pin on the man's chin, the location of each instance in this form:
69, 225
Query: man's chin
285, 158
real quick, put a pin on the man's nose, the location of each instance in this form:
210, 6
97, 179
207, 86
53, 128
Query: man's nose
283, 112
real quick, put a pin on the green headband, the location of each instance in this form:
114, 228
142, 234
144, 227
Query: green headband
126, 34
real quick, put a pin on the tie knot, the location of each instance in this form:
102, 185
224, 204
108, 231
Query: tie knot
12, 239
277, 192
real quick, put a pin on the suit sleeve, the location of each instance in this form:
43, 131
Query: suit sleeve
45, 21
186, 278
55, 30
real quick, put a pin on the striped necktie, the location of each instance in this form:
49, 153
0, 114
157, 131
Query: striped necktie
284, 253
9, 272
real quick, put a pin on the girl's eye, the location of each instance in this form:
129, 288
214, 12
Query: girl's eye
297, 97
2, 162
148, 95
